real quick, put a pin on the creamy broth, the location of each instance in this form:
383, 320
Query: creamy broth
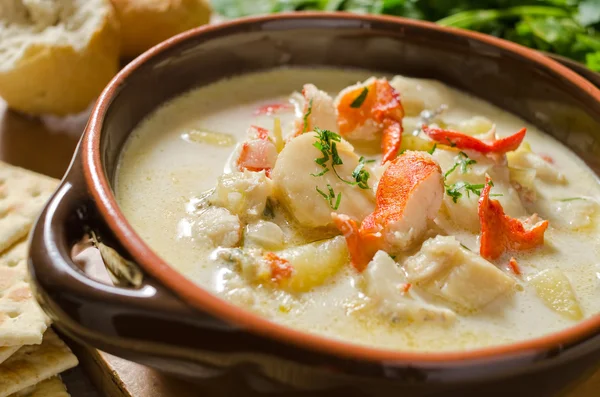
165, 170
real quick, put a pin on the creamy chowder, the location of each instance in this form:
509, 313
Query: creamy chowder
292, 194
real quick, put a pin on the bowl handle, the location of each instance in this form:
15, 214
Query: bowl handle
106, 316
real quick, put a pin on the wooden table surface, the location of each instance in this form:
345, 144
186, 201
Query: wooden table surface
46, 146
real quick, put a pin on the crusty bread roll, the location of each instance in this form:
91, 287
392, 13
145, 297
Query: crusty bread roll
145, 23
56, 56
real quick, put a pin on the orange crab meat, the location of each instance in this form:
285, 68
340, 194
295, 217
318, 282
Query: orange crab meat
360, 253
378, 102
281, 269
258, 153
409, 194
467, 142
500, 232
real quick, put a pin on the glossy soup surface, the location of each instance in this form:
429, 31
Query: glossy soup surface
428, 292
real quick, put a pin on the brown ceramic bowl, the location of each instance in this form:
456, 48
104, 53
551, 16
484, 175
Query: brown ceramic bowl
174, 325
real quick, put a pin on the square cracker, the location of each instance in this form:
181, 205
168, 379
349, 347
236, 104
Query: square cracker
52, 387
22, 321
31, 365
23, 195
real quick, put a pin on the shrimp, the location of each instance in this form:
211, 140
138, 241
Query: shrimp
318, 111
358, 112
500, 232
258, 153
409, 194
467, 142
367, 108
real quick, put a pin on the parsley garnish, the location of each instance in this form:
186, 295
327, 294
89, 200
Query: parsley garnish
327, 145
358, 101
452, 144
430, 151
463, 161
571, 199
330, 196
308, 112
326, 170
454, 189
360, 175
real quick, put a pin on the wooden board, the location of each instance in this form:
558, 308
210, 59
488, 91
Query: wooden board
46, 146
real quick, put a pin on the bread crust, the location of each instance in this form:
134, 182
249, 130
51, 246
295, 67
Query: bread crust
145, 23
60, 79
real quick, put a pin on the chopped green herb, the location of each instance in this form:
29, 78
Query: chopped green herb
358, 101
572, 199
454, 189
465, 247
308, 112
325, 141
360, 175
392, 256
451, 170
327, 145
452, 144
430, 151
326, 170
496, 195
465, 161
330, 196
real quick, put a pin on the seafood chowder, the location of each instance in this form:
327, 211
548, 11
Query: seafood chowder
387, 211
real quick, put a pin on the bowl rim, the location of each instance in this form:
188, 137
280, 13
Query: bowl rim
196, 296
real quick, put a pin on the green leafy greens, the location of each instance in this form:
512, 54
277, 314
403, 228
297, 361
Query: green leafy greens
564, 27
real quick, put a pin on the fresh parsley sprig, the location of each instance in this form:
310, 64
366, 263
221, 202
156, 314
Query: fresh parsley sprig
454, 190
306, 115
360, 175
463, 162
327, 144
330, 196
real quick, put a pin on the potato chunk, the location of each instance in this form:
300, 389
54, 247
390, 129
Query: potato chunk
447, 270
573, 213
524, 157
555, 290
296, 188
387, 285
314, 263
243, 193
421, 94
